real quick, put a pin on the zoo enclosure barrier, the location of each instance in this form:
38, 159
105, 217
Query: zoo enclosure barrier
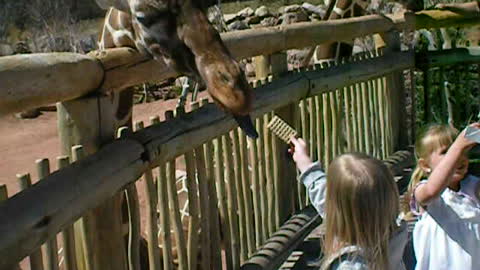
239, 191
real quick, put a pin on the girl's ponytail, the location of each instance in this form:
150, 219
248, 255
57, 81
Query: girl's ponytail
417, 175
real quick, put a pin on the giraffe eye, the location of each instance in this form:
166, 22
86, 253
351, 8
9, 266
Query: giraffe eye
146, 20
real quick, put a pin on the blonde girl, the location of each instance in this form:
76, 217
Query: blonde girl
447, 234
360, 210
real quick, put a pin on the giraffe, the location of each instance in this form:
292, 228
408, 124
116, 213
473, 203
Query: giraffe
178, 32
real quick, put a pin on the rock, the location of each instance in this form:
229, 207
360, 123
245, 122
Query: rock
293, 17
250, 70
5, 49
246, 12
269, 21
262, 12
253, 20
314, 9
229, 18
296, 57
238, 25
34, 113
292, 8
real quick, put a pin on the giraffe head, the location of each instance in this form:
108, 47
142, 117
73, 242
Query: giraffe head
178, 32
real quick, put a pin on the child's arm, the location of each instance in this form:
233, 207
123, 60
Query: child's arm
440, 177
311, 175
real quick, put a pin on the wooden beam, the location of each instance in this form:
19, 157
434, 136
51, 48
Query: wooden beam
455, 56
32, 80
26, 224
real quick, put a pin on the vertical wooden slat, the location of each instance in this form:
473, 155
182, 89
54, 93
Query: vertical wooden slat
312, 143
327, 129
340, 121
232, 201
360, 123
376, 118
381, 106
348, 118
175, 210
319, 128
133, 206
253, 149
305, 133
164, 211
388, 119
51, 246
151, 215
262, 179
36, 258
356, 137
366, 119
84, 224
193, 225
247, 194
68, 234
164, 217
269, 176
239, 195
215, 242
222, 202
334, 118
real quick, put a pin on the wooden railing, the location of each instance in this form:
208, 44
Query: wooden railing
344, 106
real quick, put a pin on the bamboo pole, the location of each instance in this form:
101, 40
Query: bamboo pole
312, 143
356, 137
164, 217
253, 149
326, 130
36, 258
133, 206
247, 193
239, 196
262, 176
231, 200
334, 118
361, 124
164, 211
304, 133
175, 209
319, 129
381, 107
204, 203
366, 119
373, 95
269, 176
214, 233
193, 225
348, 118
51, 247
151, 214
68, 234
84, 226
222, 202
340, 121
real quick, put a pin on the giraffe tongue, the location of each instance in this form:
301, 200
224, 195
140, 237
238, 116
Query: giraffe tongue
246, 124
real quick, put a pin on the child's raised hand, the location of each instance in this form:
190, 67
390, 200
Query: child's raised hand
300, 154
464, 143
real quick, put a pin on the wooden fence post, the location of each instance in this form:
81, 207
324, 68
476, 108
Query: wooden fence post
397, 102
92, 122
285, 173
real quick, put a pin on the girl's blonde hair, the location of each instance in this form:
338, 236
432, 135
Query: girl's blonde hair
361, 208
433, 138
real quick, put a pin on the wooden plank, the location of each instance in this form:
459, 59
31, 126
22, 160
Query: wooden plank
4, 197
231, 201
68, 234
52, 77
247, 193
223, 207
262, 179
36, 257
51, 247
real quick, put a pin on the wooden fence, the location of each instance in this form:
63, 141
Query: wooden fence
239, 190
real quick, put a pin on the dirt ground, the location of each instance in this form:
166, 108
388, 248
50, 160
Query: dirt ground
23, 141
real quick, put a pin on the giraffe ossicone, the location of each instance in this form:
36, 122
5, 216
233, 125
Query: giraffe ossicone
178, 32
